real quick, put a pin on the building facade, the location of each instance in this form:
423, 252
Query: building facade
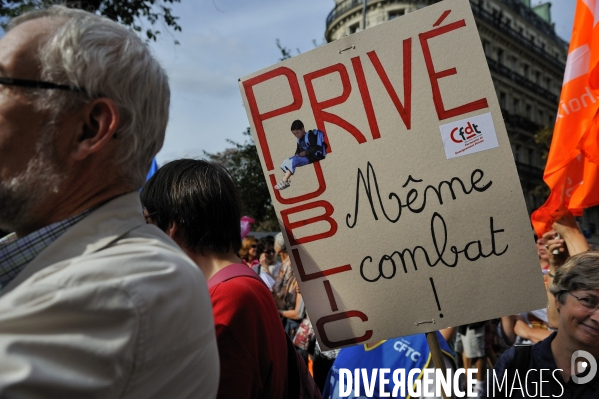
526, 59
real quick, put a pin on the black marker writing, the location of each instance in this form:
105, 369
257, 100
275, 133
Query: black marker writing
415, 200
387, 266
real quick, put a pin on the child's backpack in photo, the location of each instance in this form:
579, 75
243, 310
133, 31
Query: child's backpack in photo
322, 152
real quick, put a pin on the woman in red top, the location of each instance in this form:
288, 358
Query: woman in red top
197, 205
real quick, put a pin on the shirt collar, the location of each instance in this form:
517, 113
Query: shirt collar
16, 253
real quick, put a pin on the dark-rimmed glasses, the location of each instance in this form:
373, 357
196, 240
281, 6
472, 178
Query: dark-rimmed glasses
589, 302
148, 216
38, 84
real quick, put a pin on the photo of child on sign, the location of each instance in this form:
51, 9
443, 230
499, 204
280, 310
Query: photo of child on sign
311, 147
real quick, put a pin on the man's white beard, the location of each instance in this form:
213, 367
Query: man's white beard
24, 193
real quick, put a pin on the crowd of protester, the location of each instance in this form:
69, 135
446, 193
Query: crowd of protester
106, 292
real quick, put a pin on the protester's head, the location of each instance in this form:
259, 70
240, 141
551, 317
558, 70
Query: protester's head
108, 114
199, 199
265, 251
542, 252
297, 125
248, 248
280, 246
576, 290
297, 128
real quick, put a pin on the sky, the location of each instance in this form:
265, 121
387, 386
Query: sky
224, 40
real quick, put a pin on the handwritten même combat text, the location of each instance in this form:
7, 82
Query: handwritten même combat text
415, 201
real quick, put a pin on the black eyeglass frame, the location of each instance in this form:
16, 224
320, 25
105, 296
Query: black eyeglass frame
587, 305
38, 84
148, 216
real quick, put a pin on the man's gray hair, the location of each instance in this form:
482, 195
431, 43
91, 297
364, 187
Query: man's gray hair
106, 60
580, 272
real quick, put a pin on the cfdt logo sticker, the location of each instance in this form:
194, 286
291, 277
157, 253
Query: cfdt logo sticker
469, 135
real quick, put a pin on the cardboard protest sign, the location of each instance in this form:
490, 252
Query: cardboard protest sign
411, 217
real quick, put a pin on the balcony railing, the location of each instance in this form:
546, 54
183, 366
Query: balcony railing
347, 5
532, 17
518, 121
496, 21
495, 66
343, 7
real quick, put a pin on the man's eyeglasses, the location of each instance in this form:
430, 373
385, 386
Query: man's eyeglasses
254, 246
38, 84
148, 216
589, 302
269, 251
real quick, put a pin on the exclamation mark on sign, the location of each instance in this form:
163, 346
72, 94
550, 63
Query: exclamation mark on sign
436, 297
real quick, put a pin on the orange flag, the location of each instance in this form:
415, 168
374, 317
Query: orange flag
572, 170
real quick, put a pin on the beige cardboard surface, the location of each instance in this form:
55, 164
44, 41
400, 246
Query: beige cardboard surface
395, 101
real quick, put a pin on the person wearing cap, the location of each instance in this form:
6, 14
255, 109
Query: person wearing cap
94, 303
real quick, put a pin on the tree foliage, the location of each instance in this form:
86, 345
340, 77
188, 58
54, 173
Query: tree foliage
543, 138
243, 164
132, 13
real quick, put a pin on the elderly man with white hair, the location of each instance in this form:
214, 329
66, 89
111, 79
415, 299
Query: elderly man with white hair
93, 301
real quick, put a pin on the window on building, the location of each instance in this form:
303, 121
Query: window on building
541, 117
486, 47
516, 106
538, 77
525, 70
517, 153
500, 56
531, 155
548, 83
396, 14
529, 111
502, 99
354, 28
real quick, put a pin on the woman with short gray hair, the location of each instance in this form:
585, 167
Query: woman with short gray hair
566, 352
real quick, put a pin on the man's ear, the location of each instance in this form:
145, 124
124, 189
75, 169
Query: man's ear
173, 232
100, 121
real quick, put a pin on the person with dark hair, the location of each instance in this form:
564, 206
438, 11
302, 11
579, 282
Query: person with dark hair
193, 202
311, 147
267, 267
196, 203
